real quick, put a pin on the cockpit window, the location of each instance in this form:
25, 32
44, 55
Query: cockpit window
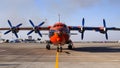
65, 26
51, 32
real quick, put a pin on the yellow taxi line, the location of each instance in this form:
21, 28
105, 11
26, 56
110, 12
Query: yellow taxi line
57, 60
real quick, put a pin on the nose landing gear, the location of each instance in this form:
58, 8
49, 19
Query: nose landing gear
59, 49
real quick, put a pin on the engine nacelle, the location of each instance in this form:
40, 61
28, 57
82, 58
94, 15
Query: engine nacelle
103, 32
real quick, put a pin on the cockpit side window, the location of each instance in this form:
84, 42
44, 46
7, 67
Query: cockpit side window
65, 26
51, 32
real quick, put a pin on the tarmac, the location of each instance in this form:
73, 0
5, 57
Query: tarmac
83, 55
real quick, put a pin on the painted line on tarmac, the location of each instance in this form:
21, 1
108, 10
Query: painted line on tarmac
57, 60
2, 50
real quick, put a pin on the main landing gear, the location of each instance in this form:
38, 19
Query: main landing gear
70, 46
48, 46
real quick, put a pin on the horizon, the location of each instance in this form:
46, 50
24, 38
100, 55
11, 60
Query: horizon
71, 11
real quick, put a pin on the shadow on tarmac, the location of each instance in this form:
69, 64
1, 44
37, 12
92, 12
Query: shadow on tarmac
97, 49
8, 64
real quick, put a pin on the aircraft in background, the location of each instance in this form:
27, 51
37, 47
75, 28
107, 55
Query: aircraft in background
59, 33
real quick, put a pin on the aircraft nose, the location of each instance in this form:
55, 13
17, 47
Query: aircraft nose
58, 39
59, 34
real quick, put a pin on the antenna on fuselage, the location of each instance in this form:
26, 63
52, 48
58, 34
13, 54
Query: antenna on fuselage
59, 17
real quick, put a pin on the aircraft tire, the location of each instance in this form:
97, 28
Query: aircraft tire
60, 49
70, 47
48, 47
57, 49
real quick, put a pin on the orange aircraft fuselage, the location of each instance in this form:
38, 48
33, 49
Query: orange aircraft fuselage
59, 34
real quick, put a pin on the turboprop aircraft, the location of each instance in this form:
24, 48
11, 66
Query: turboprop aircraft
59, 33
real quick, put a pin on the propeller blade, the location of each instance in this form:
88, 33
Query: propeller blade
104, 23
7, 32
32, 23
39, 33
83, 22
19, 25
41, 24
10, 23
106, 35
16, 35
82, 35
30, 32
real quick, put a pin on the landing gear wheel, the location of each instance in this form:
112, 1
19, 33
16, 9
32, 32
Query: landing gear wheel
60, 49
48, 46
57, 49
70, 47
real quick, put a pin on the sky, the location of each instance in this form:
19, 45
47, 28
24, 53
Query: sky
71, 11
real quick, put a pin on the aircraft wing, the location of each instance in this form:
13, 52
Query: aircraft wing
70, 27
102, 30
93, 28
27, 28
4, 28
31, 28
15, 29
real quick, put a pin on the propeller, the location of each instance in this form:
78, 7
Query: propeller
35, 28
106, 34
82, 29
14, 29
